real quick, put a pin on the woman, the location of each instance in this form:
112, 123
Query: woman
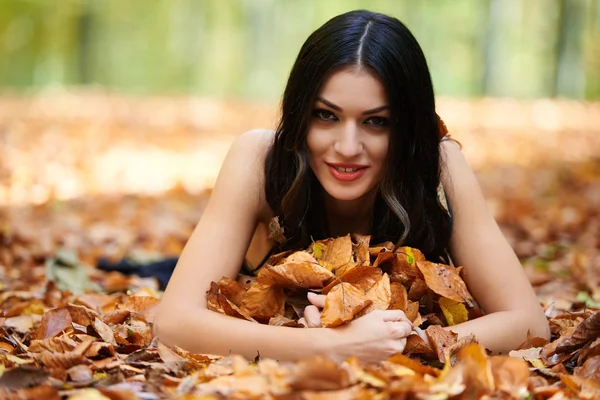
357, 150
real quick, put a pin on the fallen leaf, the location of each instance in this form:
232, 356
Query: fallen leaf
342, 303
361, 277
301, 271
445, 281
455, 312
399, 297
336, 253
262, 301
380, 295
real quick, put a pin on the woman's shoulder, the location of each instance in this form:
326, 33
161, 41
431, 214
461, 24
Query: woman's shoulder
257, 139
248, 152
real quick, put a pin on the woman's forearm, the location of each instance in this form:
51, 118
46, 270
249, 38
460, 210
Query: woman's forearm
207, 332
503, 331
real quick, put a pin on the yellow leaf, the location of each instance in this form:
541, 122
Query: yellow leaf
317, 250
454, 311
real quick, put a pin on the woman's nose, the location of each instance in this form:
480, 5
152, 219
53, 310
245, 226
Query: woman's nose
348, 143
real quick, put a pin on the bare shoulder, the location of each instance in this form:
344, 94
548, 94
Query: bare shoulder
248, 152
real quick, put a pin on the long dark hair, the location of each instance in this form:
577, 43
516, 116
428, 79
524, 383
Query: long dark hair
406, 210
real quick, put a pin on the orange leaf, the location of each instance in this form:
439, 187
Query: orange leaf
361, 250
417, 290
335, 253
232, 290
380, 294
510, 375
342, 303
441, 339
445, 281
263, 301
399, 300
300, 270
217, 302
362, 277
404, 269
478, 370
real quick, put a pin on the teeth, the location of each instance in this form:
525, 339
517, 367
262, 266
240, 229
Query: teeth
346, 169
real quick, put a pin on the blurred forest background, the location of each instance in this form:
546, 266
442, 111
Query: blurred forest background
245, 48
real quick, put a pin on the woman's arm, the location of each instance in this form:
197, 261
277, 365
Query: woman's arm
493, 272
217, 248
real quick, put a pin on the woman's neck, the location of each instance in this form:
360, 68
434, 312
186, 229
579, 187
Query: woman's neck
349, 216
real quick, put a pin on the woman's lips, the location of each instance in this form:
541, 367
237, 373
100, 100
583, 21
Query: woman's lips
357, 172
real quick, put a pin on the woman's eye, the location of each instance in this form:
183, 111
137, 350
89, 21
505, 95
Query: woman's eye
324, 115
378, 122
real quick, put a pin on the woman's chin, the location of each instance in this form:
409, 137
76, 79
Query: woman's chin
345, 194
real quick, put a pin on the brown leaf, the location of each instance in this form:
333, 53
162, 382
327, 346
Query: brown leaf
54, 322
399, 297
478, 369
335, 253
361, 277
104, 331
585, 332
412, 312
445, 281
417, 290
381, 247
319, 373
168, 355
23, 376
300, 270
416, 366
361, 250
276, 231
404, 267
380, 295
61, 344
281, 320
116, 317
416, 345
342, 303
82, 315
263, 302
144, 305
60, 360
80, 373
510, 375
219, 303
590, 369
232, 290
441, 339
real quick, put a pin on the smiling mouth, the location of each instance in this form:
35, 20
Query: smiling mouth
342, 169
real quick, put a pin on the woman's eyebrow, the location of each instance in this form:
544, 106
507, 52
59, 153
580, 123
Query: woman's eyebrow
338, 108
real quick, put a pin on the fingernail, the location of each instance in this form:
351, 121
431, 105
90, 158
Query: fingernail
311, 294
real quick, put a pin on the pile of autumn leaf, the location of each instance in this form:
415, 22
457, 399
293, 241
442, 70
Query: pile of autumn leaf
96, 345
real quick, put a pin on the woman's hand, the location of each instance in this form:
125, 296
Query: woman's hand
373, 337
312, 313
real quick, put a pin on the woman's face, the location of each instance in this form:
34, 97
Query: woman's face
349, 133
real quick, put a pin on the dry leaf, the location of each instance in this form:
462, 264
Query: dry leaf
342, 303
380, 295
455, 312
262, 302
445, 281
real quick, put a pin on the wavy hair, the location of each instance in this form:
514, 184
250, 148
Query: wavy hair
406, 209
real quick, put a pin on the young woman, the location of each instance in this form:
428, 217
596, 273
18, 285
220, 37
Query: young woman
357, 150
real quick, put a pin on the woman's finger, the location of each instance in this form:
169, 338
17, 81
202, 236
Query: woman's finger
317, 300
395, 315
312, 316
400, 329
